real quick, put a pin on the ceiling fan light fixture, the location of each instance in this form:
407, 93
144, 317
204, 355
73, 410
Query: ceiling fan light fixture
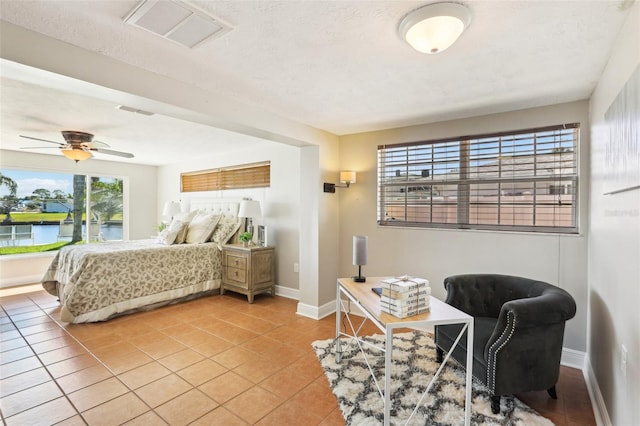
435, 27
76, 154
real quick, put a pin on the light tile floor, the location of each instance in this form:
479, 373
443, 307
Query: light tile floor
215, 360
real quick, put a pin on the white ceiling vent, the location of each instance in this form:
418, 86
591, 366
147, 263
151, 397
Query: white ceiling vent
130, 109
177, 21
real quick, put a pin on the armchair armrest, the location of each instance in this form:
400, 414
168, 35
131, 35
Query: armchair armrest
553, 306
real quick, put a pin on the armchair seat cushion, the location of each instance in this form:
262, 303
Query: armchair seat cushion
482, 329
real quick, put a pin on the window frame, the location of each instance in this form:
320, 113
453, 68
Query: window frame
440, 179
87, 204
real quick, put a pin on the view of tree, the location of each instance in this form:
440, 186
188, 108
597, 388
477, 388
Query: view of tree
79, 194
10, 200
58, 194
106, 198
42, 194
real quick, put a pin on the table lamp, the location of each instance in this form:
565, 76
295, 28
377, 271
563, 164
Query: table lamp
360, 256
249, 209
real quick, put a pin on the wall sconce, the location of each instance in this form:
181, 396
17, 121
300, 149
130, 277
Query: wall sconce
346, 176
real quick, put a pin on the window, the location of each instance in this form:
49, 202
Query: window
524, 180
257, 175
48, 209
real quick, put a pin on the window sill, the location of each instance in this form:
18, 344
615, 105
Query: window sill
8, 257
485, 231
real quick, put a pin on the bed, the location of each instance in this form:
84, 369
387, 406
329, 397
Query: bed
96, 282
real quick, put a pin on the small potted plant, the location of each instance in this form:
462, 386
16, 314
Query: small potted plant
246, 238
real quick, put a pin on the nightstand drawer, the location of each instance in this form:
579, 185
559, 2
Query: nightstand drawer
236, 276
233, 260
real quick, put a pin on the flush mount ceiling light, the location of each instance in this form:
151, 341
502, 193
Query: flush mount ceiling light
434, 27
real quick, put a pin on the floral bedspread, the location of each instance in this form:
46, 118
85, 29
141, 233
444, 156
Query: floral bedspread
97, 281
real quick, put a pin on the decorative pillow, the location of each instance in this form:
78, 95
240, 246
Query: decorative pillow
184, 217
201, 227
168, 235
225, 230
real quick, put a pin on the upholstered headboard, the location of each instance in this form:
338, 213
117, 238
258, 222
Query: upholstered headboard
225, 206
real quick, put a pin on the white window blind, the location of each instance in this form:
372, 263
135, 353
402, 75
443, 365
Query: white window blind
525, 180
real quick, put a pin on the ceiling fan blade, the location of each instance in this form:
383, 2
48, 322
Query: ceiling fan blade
112, 152
42, 140
40, 147
97, 144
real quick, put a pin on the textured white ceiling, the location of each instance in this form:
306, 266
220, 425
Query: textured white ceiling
340, 65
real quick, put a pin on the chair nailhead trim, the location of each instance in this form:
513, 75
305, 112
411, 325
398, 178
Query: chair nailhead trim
493, 352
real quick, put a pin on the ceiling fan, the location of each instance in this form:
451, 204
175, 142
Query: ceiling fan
79, 146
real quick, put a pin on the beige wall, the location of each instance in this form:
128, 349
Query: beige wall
614, 249
279, 203
140, 183
435, 254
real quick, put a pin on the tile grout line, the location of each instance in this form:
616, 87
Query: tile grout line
86, 350
113, 375
285, 325
41, 365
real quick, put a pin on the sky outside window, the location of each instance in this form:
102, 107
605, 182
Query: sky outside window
28, 181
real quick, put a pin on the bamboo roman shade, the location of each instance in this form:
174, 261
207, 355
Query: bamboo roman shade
255, 175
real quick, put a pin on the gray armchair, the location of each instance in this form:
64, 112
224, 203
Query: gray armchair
518, 331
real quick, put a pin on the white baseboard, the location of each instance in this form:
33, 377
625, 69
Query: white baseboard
289, 293
315, 312
597, 401
572, 358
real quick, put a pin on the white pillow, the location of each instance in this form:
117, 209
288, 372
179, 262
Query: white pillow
201, 227
184, 217
169, 234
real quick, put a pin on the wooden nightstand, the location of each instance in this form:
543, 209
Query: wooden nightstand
248, 270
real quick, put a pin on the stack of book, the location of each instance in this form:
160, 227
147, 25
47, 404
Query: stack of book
405, 296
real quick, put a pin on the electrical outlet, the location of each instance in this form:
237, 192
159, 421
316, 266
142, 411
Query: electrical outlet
623, 360
295, 267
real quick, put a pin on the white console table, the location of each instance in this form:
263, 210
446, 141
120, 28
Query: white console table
368, 302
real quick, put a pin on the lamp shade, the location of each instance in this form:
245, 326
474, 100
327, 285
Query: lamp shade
348, 176
360, 243
249, 208
76, 154
171, 208
435, 27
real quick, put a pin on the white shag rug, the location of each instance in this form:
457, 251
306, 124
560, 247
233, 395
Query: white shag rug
413, 365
